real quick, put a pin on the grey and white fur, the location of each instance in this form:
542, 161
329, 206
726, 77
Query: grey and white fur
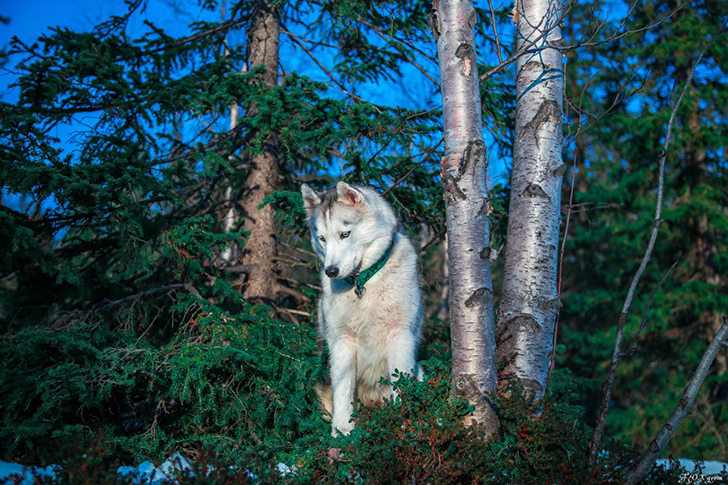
371, 336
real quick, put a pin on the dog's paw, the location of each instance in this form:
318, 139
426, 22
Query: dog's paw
341, 428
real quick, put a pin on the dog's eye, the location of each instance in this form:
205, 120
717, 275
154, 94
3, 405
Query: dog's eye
322, 239
344, 235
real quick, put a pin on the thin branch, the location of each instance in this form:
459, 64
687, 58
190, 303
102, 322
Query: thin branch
326, 71
431, 241
561, 265
682, 410
645, 322
495, 31
616, 354
527, 48
407, 58
427, 157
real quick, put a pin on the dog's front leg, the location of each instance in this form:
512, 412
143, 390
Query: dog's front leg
343, 380
401, 353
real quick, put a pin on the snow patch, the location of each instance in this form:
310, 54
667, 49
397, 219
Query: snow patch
143, 474
709, 467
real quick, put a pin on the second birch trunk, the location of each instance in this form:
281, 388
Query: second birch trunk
530, 302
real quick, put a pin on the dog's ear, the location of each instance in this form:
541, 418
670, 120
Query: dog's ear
349, 195
310, 198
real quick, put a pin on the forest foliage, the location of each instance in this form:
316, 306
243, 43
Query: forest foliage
123, 326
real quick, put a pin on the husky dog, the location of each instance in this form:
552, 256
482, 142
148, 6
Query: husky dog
370, 310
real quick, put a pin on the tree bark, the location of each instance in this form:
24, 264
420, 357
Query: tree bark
464, 168
260, 246
530, 303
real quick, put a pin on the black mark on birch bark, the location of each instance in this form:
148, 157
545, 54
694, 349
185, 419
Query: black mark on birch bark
654, 447
452, 190
474, 151
535, 190
484, 209
433, 21
553, 304
560, 170
472, 19
532, 386
547, 111
467, 54
525, 322
464, 50
484, 253
476, 297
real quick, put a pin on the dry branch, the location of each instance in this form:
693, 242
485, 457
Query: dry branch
682, 409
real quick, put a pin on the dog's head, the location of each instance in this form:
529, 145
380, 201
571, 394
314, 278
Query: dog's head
346, 224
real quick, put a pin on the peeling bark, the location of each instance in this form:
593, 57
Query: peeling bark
464, 168
260, 247
529, 303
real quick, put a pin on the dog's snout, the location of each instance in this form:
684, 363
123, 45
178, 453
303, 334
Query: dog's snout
332, 271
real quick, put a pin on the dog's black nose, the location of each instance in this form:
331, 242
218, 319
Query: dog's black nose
332, 271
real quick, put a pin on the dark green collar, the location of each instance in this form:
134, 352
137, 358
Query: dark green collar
360, 279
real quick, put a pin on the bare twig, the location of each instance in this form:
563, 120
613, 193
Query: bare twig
431, 241
528, 48
495, 31
326, 71
682, 409
424, 159
644, 322
616, 354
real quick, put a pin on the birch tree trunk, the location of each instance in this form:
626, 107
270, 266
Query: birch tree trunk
530, 302
228, 219
464, 169
258, 256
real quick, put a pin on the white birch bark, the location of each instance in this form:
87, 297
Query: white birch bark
228, 219
464, 168
530, 302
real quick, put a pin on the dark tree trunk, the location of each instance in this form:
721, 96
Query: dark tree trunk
258, 257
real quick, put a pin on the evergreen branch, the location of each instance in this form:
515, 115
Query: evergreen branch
153, 291
186, 40
407, 58
326, 71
